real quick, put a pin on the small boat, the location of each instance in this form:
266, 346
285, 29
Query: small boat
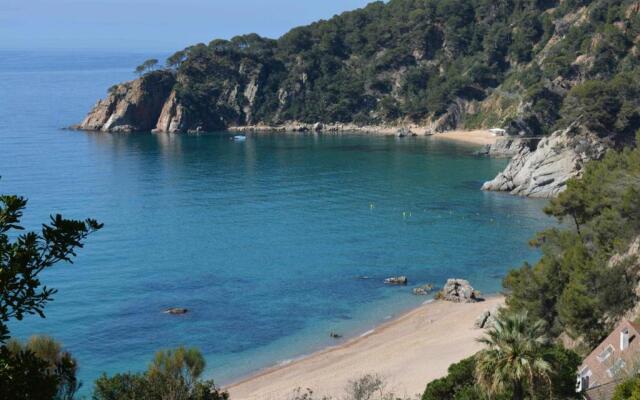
240, 138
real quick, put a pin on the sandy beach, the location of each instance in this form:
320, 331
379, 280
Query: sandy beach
407, 352
481, 137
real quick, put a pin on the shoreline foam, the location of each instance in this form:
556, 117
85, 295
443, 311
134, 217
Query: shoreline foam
408, 351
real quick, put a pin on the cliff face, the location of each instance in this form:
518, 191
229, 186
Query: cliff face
542, 169
172, 118
441, 64
132, 106
527, 67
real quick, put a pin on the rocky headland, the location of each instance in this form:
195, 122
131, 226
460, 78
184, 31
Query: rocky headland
542, 167
379, 70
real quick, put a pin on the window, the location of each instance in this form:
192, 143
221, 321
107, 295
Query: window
606, 353
624, 339
584, 378
616, 369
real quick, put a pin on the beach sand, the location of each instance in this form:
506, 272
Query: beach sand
479, 136
482, 137
407, 352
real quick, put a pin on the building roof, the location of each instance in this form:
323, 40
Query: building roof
611, 361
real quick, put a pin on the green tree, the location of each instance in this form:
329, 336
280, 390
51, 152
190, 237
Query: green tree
176, 371
39, 369
629, 389
172, 375
24, 258
459, 384
152, 63
513, 361
574, 287
23, 375
59, 366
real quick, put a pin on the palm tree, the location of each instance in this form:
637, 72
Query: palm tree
513, 358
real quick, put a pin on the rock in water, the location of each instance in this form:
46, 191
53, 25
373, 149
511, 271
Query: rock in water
458, 291
423, 290
397, 280
176, 311
131, 107
543, 170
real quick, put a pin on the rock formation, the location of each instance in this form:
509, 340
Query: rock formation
423, 290
507, 147
172, 117
132, 106
397, 280
176, 311
458, 291
543, 170
487, 318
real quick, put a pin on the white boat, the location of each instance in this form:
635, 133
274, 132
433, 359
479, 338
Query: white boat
240, 138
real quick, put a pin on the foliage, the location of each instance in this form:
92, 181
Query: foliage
415, 60
629, 389
608, 107
25, 257
459, 384
564, 364
23, 375
172, 375
49, 371
38, 369
366, 388
149, 65
574, 287
513, 361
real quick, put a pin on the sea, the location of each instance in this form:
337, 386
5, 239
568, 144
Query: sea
270, 243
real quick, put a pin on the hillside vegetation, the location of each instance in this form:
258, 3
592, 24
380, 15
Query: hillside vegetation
588, 276
528, 64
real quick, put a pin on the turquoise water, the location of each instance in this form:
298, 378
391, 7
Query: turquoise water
264, 241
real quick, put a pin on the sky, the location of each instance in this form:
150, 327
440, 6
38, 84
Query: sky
152, 25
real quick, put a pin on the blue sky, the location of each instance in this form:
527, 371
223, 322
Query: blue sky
151, 25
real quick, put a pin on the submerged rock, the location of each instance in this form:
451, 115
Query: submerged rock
423, 290
459, 291
176, 311
543, 170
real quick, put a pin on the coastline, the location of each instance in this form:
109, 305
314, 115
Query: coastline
408, 352
478, 136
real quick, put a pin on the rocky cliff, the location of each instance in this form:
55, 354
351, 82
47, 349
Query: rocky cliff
542, 168
530, 68
131, 106
439, 64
